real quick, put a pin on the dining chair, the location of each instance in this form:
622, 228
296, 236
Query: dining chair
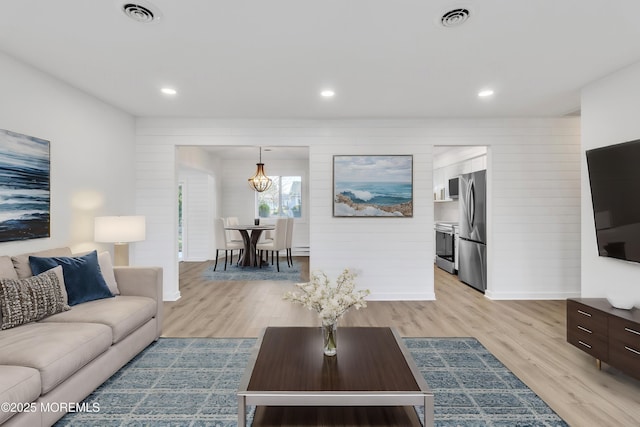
233, 235
267, 235
278, 243
223, 244
289, 239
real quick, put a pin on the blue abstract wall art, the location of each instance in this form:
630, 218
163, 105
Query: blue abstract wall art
24, 187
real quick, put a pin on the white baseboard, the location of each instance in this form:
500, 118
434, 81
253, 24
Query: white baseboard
530, 295
422, 296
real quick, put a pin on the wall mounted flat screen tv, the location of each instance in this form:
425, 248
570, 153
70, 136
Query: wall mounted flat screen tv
614, 176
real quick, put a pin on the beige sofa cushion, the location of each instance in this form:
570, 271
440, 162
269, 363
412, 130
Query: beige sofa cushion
6, 268
18, 385
57, 350
21, 262
123, 314
6, 272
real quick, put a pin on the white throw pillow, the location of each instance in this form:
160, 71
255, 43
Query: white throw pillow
106, 267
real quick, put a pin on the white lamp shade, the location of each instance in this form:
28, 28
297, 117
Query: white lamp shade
119, 229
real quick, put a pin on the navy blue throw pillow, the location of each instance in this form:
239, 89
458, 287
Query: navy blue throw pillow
82, 276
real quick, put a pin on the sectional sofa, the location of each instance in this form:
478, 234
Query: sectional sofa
50, 364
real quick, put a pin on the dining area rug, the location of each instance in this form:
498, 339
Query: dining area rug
193, 382
266, 272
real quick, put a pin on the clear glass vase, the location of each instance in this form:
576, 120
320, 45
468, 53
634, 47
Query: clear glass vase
329, 334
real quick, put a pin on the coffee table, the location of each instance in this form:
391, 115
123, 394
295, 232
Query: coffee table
373, 375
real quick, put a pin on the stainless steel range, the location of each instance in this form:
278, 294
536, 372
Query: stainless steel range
446, 245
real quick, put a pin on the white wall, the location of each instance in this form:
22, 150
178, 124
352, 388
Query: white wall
92, 153
610, 109
534, 192
534, 186
198, 201
201, 176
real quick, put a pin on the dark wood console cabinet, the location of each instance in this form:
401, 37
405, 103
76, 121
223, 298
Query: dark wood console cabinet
609, 334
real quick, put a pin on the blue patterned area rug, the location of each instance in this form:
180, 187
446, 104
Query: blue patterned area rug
267, 272
193, 382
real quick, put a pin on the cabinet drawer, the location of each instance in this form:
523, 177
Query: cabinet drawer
625, 357
594, 345
585, 318
625, 332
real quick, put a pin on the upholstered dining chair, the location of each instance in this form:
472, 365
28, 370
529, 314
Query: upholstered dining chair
278, 243
289, 239
223, 244
267, 235
233, 235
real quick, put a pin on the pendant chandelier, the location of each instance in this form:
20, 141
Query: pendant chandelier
259, 181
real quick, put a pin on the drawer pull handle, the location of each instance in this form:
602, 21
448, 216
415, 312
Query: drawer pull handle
632, 331
587, 345
632, 350
582, 328
584, 313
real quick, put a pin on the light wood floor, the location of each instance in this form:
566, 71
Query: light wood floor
527, 336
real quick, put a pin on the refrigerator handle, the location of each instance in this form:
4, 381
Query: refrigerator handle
472, 203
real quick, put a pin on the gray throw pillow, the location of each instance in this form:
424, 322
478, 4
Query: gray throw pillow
34, 298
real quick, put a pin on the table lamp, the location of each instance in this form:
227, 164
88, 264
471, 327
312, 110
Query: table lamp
119, 230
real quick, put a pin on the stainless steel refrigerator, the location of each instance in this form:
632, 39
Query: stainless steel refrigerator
472, 244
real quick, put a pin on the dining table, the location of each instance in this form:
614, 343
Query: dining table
250, 236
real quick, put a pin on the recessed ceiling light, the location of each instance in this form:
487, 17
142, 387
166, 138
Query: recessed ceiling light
168, 91
328, 93
485, 93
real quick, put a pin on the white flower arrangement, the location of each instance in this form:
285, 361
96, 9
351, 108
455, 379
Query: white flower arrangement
328, 300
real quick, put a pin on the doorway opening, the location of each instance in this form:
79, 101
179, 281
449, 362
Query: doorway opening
213, 183
461, 218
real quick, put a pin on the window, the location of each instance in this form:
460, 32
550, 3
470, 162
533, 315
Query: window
284, 198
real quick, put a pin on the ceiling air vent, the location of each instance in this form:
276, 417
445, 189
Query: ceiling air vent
140, 13
454, 18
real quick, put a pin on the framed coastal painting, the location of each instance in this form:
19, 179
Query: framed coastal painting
24, 187
373, 186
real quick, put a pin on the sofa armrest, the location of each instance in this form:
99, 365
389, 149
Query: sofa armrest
142, 282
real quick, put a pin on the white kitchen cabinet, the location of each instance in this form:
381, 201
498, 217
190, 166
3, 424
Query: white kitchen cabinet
442, 175
479, 163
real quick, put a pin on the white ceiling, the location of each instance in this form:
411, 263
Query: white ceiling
384, 58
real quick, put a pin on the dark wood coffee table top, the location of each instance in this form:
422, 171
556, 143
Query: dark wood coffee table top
372, 379
368, 359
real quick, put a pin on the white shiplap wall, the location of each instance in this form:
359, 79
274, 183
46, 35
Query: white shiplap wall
198, 199
534, 198
535, 243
